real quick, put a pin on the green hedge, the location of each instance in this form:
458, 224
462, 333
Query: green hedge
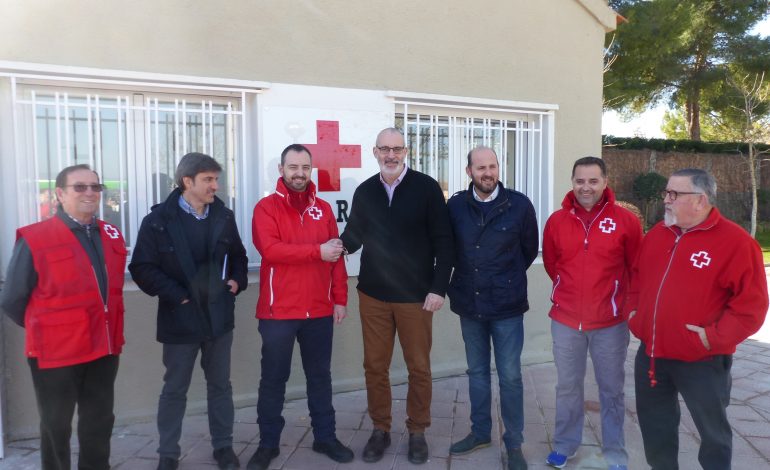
673, 145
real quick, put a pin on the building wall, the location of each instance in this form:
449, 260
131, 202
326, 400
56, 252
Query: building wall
546, 52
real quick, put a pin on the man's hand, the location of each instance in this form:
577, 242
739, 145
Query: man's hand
340, 313
433, 302
331, 250
631, 315
233, 286
185, 301
702, 333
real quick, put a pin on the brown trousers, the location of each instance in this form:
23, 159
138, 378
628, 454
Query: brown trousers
380, 321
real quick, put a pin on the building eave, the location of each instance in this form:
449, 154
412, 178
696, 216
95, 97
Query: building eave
602, 13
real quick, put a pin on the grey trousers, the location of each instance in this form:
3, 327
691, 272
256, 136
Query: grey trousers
179, 360
608, 348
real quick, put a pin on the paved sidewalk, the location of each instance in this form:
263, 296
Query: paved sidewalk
134, 445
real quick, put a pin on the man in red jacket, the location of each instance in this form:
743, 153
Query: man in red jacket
65, 287
698, 290
589, 246
303, 293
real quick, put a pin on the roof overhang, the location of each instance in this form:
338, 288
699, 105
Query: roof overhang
606, 16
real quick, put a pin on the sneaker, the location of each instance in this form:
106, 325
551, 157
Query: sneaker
226, 458
418, 448
335, 450
376, 445
558, 460
617, 467
469, 444
516, 460
262, 457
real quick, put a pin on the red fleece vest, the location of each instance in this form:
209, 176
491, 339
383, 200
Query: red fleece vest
67, 322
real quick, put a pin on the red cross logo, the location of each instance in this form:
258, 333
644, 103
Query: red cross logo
329, 156
700, 259
315, 213
607, 225
111, 231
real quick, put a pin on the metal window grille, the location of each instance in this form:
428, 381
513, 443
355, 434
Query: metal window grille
132, 138
440, 139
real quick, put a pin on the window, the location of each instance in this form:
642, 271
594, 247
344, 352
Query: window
133, 136
441, 131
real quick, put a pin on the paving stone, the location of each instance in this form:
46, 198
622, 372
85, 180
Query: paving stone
134, 445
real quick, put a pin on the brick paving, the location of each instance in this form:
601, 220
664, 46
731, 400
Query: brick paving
134, 445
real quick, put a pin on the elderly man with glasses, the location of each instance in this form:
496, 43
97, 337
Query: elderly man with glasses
400, 217
65, 287
698, 290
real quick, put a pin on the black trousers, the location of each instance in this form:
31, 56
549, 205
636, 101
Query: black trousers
705, 387
90, 386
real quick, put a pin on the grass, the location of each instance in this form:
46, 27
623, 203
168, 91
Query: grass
763, 237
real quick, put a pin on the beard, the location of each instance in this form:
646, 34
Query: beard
485, 186
298, 184
669, 219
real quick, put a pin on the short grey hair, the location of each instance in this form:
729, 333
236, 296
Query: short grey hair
194, 163
702, 181
390, 130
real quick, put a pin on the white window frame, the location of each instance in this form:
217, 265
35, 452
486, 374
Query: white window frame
533, 165
203, 91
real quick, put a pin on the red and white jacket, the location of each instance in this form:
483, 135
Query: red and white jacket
294, 282
67, 321
710, 276
590, 264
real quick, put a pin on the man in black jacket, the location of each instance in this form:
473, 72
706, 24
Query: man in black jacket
496, 240
190, 255
400, 217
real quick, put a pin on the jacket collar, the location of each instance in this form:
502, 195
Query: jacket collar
502, 194
283, 191
708, 223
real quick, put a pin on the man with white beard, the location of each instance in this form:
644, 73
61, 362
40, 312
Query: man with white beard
698, 290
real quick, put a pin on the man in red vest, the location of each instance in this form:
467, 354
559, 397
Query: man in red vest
65, 287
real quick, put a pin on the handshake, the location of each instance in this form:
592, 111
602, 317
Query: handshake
332, 250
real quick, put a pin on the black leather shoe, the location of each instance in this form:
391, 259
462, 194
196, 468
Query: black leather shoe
262, 457
516, 460
418, 448
335, 450
168, 463
226, 458
376, 445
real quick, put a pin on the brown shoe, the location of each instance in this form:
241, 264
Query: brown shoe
418, 448
375, 447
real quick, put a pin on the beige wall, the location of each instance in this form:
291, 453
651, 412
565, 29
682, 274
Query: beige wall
545, 51
140, 376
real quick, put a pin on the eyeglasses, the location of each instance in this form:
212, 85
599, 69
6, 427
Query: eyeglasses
81, 188
672, 195
386, 150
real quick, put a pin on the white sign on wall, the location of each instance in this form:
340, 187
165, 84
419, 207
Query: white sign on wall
339, 126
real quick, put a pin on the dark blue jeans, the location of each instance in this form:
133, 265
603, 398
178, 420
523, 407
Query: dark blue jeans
315, 346
705, 387
507, 336
179, 360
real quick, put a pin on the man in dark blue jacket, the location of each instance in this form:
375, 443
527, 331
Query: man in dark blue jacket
496, 240
190, 255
